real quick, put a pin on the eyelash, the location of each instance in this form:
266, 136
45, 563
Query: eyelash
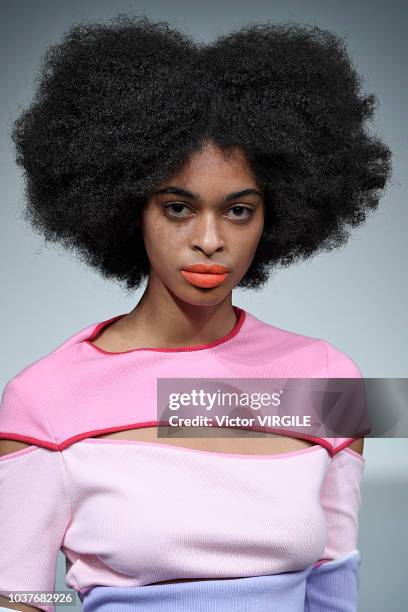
178, 217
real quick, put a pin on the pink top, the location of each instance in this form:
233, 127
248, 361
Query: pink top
130, 513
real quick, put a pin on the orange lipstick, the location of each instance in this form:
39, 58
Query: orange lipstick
205, 276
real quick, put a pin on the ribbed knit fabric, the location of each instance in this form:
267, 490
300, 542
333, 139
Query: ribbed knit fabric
281, 592
331, 587
283, 528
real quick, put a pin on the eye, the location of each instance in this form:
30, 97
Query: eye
177, 205
240, 209
174, 210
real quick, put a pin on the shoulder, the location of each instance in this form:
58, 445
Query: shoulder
302, 356
28, 399
340, 364
22, 417
325, 358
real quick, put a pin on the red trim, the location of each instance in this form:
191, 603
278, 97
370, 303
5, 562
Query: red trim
36, 441
337, 449
88, 434
240, 320
101, 325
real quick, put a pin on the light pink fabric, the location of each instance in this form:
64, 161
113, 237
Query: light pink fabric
191, 513
341, 501
34, 513
130, 513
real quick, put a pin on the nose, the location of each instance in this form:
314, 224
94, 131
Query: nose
207, 235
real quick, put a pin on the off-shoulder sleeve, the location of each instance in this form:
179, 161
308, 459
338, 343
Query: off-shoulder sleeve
352, 419
34, 508
333, 584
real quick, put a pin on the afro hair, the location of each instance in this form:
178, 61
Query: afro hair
121, 106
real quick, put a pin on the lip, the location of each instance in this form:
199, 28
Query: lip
206, 269
205, 281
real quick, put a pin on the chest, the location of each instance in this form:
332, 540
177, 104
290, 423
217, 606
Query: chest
135, 503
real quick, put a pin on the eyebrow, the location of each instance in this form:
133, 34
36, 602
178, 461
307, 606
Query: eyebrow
189, 194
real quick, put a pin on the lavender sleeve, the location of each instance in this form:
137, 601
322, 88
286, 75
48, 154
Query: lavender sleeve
333, 586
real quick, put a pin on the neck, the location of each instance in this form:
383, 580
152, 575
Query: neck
160, 319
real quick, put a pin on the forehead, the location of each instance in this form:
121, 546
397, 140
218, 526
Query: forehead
213, 170
212, 159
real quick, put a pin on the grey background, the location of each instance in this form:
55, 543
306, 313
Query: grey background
356, 297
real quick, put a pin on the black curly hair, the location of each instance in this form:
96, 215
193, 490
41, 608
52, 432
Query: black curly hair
120, 106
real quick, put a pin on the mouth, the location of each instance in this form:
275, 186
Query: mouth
206, 268
204, 276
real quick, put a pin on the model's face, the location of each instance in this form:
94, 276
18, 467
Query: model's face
204, 219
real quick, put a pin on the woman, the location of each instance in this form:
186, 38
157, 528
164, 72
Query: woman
198, 167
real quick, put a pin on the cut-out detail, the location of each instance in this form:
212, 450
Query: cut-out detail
184, 449
357, 446
14, 448
231, 441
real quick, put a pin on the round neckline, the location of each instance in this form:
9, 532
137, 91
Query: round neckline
240, 313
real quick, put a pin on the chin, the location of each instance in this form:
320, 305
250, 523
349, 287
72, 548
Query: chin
203, 297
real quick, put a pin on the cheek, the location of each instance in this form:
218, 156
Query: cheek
249, 242
158, 230
163, 244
